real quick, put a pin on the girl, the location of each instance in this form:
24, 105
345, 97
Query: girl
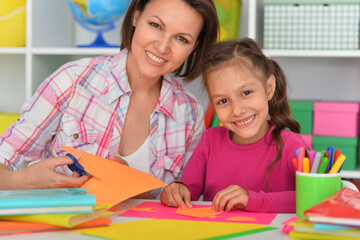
246, 163
127, 104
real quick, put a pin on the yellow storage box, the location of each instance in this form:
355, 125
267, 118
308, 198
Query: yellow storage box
12, 23
6, 119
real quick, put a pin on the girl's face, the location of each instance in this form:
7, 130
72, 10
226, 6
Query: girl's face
241, 102
165, 34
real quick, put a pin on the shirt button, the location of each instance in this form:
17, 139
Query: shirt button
76, 136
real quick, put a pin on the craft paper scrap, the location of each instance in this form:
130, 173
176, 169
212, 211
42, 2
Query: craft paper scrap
114, 182
241, 219
174, 229
19, 227
163, 212
292, 219
288, 228
115, 209
142, 209
200, 212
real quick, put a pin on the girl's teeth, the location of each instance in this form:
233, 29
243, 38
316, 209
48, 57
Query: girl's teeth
154, 58
246, 122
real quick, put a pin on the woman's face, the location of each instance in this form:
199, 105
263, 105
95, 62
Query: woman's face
165, 34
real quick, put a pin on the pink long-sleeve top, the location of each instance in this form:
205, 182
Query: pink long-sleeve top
218, 162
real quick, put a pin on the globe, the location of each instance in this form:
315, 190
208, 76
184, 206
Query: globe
98, 16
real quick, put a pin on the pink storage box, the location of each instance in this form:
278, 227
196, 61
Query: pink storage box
339, 119
307, 138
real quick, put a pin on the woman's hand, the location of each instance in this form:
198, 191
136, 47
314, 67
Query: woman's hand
119, 160
176, 195
232, 196
42, 174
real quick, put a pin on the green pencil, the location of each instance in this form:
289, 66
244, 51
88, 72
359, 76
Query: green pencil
323, 165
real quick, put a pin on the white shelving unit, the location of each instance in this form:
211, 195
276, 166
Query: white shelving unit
52, 35
50, 42
312, 74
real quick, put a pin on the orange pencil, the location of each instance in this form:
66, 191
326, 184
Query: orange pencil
306, 165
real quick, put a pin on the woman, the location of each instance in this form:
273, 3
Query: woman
128, 104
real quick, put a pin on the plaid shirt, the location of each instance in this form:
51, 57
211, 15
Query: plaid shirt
83, 105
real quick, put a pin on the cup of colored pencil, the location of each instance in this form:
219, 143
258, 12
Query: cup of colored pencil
310, 161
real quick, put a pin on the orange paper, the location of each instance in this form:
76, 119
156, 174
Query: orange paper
18, 227
113, 182
198, 212
142, 209
115, 209
241, 219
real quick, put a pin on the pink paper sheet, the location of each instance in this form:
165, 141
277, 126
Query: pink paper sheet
164, 212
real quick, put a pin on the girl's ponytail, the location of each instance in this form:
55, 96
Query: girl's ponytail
279, 109
279, 112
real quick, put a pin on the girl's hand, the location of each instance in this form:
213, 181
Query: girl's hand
42, 174
176, 195
232, 196
119, 160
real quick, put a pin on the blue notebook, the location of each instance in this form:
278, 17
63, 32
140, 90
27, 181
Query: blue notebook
46, 201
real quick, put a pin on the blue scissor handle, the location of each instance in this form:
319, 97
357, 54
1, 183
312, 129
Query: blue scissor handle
76, 166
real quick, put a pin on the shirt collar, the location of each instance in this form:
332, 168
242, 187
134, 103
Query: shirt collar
119, 84
166, 100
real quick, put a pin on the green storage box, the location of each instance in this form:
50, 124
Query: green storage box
348, 146
302, 111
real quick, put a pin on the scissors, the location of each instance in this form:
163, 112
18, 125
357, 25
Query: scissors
76, 166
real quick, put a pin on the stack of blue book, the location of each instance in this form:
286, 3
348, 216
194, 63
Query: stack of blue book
41, 201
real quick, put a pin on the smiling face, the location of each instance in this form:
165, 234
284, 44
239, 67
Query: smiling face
241, 101
165, 34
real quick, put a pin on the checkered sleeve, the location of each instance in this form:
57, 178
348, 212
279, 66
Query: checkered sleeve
26, 140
